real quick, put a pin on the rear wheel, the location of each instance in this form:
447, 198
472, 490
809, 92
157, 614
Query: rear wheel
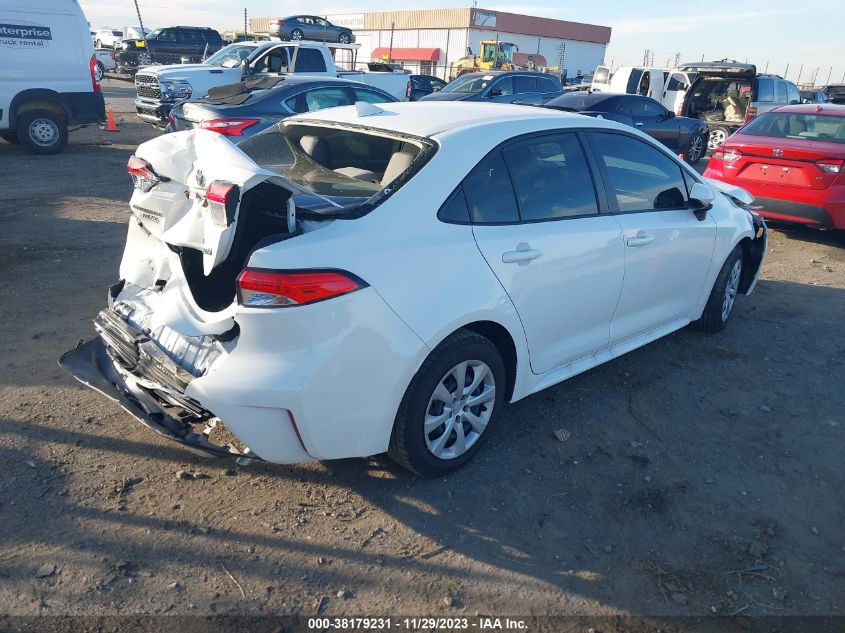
344, 38
296, 35
718, 135
99, 71
447, 410
144, 59
720, 304
42, 131
695, 148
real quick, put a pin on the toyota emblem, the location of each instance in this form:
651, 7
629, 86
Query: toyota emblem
777, 152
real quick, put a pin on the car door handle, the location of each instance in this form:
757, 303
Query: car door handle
526, 255
640, 239
638, 124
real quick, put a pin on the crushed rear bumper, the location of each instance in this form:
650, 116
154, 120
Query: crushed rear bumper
99, 366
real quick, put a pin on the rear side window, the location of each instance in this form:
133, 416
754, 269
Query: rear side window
521, 85
765, 90
551, 178
642, 177
310, 60
645, 107
792, 94
547, 85
318, 99
369, 96
780, 95
455, 208
489, 193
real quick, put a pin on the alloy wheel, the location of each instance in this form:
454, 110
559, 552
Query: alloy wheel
296, 35
696, 148
43, 132
459, 409
731, 289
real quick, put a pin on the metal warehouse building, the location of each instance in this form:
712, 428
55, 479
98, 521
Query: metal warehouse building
429, 41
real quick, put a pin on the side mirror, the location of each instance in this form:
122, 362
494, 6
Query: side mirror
669, 115
437, 88
246, 69
703, 196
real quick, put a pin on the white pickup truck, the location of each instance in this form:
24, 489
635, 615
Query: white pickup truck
160, 87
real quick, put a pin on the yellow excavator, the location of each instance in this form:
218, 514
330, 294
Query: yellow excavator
495, 55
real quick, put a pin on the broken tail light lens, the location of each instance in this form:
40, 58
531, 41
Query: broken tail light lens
279, 289
142, 174
223, 198
830, 166
729, 155
228, 127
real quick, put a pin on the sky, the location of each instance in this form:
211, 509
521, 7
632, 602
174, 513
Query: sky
774, 33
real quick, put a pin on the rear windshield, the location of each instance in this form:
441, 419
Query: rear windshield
577, 101
348, 171
811, 127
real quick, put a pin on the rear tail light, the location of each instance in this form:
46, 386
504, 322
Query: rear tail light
228, 127
408, 90
750, 113
277, 288
830, 166
223, 198
92, 68
729, 155
142, 174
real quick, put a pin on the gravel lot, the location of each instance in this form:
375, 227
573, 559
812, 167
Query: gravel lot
702, 474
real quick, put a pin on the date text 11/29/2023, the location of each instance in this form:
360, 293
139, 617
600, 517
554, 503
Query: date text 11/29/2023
416, 623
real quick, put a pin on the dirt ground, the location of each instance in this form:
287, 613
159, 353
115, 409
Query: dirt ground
702, 475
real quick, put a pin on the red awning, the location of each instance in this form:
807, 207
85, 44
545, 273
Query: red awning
524, 59
408, 54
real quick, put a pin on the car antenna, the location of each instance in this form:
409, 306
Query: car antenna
367, 109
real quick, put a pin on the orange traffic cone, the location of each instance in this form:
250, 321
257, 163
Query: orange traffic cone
111, 125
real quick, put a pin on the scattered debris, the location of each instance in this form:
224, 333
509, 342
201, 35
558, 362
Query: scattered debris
757, 549
345, 594
237, 584
814, 530
678, 598
46, 570
451, 601
765, 408
183, 475
608, 549
562, 435
322, 604
778, 594
174, 586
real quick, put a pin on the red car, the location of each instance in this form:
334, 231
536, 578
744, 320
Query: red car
792, 160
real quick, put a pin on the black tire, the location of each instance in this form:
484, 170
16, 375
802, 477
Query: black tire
100, 71
99, 44
714, 319
696, 148
10, 136
408, 446
296, 35
717, 135
42, 131
344, 38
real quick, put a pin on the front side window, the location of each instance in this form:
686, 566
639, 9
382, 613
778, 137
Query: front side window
369, 96
781, 92
646, 108
551, 178
488, 191
503, 87
276, 61
230, 56
792, 94
547, 85
642, 177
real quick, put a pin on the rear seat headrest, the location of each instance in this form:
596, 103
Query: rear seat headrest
317, 148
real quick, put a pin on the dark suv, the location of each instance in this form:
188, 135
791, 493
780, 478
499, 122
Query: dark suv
169, 45
726, 94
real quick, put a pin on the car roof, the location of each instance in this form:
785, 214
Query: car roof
812, 108
726, 66
430, 118
498, 73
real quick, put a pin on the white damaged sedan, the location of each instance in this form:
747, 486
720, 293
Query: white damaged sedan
368, 279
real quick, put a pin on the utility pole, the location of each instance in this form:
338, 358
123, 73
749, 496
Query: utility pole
446, 59
246, 30
766, 69
786, 72
677, 59
390, 53
561, 57
828, 75
800, 70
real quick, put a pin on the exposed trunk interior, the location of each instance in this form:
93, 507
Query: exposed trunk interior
262, 220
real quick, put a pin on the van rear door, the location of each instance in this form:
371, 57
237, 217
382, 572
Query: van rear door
601, 79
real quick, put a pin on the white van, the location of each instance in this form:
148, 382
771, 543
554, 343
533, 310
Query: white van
666, 86
48, 73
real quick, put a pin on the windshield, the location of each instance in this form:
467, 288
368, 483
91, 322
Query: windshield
810, 127
230, 56
347, 172
469, 84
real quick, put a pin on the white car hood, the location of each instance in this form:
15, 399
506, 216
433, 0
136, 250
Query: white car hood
184, 71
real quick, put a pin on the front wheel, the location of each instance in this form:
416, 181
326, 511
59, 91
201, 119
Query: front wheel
296, 35
718, 135
447, 410
720, 304
42, 131
695, 149
344, 38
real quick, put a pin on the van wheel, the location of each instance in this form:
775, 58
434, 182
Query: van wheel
720, 304
718, 135
10, 136
42, 131
446, 413
99, 71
